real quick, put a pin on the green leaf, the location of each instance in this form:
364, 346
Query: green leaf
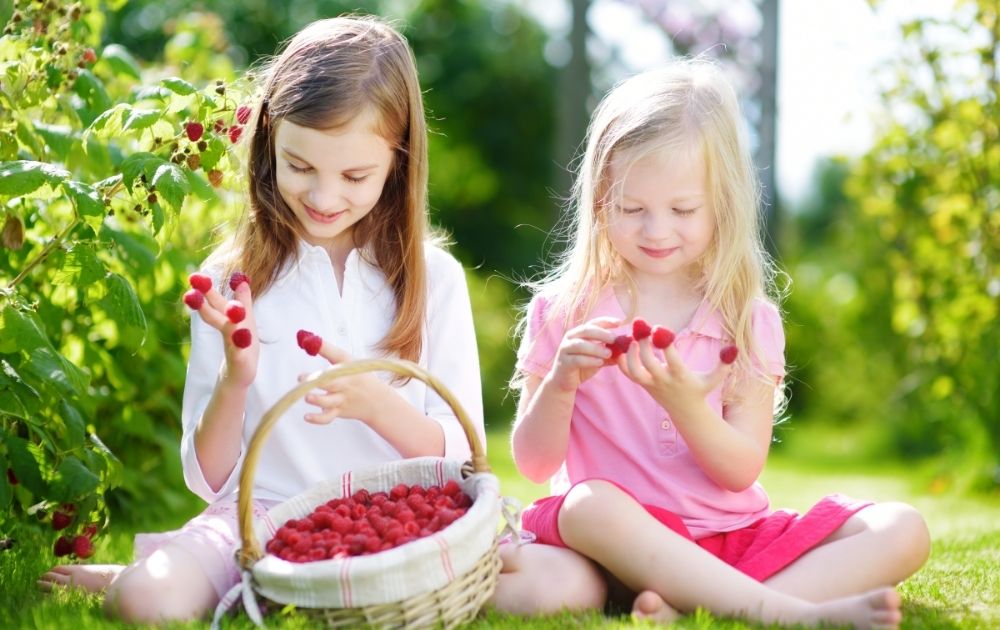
121, 60
80, 267
178, 86
88, 202
139, 164
171, 182
24, 177
76, 427
141, 118
122, 304
59, 138
72, 480
53, 370
8, 145
136, 249
21, 331
91, 90
213, 153
25, 465
109, 123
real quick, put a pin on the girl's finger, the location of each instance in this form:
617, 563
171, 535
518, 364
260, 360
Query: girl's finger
649, 359
326, 417
325, 401
636, 370
675, 364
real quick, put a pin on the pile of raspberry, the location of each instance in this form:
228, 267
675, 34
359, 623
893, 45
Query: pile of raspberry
369, 522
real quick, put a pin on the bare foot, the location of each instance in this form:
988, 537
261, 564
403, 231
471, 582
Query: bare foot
93, 578
878, 608
649, 605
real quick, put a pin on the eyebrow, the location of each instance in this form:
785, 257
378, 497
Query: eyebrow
690, 197
364, 167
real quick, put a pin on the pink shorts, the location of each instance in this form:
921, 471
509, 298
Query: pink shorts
759, 550
212, 538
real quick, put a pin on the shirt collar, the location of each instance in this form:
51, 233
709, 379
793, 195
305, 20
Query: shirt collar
706, 321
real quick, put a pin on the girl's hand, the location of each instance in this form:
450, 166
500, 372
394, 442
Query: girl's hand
670, 382
582, 352
353, 396
241, 361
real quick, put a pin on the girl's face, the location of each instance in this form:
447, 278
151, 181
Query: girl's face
331, 178
664, 222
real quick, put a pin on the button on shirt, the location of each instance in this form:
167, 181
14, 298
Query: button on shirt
297, 454
619, 433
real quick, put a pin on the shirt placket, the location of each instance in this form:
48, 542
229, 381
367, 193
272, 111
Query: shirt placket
667, 437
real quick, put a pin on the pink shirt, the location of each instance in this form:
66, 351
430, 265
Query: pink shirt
621, 434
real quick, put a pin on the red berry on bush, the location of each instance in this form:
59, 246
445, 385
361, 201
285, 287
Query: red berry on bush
641, 329
215, 177
619, 346
242, 114
63, 546
201, 282
241, 338
235, 132
235, 311
194, 131
728, 354
662, 337
61, 520
11, 477
89, 56
237, 279
90, 530
194, 299
83, 547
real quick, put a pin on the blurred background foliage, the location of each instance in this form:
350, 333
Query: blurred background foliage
891, 320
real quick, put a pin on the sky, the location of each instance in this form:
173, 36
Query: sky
829, 50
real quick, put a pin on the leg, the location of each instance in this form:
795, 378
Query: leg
890, 540
541, 579
94, 578
607, 525
168, 585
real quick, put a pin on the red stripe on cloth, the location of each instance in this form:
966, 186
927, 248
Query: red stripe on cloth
445, 557
439, 469
345, 484
345, 583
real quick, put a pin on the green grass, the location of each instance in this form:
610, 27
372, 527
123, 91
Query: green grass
958, 588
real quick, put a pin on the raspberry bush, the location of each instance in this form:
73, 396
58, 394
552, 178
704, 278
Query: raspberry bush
99, 159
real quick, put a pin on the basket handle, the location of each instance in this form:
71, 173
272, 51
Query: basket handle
250, 552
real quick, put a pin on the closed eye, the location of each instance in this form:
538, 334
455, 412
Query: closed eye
685, 211
298, 169
635, 210
355, 180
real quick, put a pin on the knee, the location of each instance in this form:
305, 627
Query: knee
907, 537
539, 579
133, 597
592, 505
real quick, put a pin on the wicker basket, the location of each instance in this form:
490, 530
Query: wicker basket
439, 580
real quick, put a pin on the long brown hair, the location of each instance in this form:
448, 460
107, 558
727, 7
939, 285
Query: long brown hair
326, 75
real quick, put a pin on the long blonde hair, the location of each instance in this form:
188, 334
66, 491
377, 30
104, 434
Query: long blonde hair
326, 75
686, 106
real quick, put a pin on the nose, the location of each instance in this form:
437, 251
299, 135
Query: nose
325, 194
658, 224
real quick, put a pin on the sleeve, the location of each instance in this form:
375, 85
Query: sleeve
453, 357
205, 361
769, 336
541, 339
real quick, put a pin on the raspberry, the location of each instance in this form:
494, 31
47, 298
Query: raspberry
201, 282
399, 492
219, 126
90, 530
61, 520
215, 177
728, 354
63, 546
235, 311
312, 344
619, 346
194, 161
235, 132
82, 547
241, 338
242, 114
451, 488
662, 337
11, 477
194, 299
237, 279
194, 131
641, 329
89, 56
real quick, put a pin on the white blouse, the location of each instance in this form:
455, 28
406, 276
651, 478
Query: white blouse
297, 454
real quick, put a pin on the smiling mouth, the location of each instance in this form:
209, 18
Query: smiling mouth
658, 253
322, 218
